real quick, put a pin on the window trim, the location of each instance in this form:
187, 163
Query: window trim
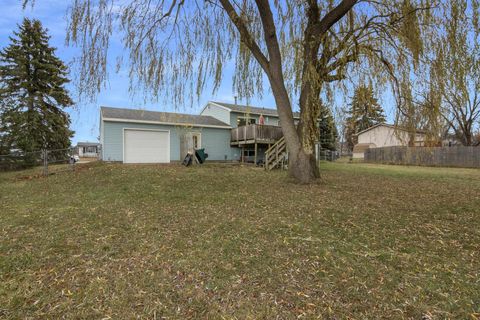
199, 139
245, 120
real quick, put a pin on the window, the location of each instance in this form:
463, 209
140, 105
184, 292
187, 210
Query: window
197, 141
248, 153
242, 121
89, 149
273, 121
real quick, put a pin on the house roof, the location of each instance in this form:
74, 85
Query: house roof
362, 147
136, 115
389, 126
87, 144
251, 109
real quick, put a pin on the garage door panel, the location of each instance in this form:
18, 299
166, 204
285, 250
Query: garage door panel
146, 146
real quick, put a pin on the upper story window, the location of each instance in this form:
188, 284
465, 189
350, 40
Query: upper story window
242, 121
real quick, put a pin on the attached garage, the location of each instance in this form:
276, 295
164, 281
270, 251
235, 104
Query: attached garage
146, 146
142, 136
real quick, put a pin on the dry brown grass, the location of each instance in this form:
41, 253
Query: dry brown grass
113, 241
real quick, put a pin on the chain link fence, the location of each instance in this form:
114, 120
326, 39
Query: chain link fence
43, 162
328, 155
328, 148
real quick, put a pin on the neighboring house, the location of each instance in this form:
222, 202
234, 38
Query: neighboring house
384, 135
228, 132
88, 149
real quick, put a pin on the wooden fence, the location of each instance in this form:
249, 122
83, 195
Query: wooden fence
466, 157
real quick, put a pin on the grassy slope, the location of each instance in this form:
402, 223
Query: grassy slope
124, 241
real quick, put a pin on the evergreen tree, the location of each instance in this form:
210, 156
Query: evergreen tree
32, 92
364, 112
328, 130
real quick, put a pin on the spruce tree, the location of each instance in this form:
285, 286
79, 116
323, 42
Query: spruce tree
328, 130
32, 92
364, 112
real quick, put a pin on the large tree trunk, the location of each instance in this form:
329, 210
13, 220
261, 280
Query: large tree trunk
467, 138
308, 133
468, 132
464, 132
302, 165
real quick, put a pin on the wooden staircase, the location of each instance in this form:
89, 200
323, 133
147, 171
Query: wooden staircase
277, 155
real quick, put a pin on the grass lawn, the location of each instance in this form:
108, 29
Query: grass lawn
223, 241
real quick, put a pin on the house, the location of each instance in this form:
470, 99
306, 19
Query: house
228, 132
254, 129
384, 135
88, 149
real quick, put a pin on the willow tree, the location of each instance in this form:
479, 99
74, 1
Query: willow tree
456, 69
443, 86
304, 48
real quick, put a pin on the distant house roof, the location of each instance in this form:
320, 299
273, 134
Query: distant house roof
389, 126
132, 115
252, 109
362, 147
87, 144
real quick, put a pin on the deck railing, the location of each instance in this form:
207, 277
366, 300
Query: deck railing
256, 133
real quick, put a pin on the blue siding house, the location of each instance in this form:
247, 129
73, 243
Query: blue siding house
228, 132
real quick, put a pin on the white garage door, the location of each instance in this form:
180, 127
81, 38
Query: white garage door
146, 146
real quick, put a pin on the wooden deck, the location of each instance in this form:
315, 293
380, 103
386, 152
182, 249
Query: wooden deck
255, 134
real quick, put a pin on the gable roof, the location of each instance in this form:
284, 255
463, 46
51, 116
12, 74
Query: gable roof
172, 118
251, 109
87, 144
388, 126
362, 147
